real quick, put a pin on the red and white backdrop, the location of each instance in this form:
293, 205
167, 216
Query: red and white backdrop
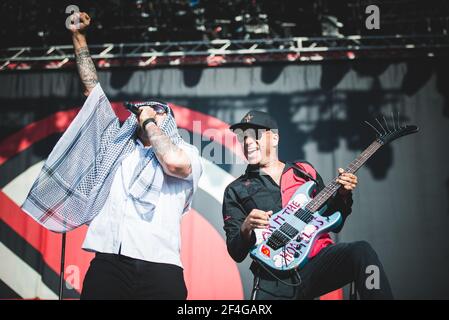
401, 206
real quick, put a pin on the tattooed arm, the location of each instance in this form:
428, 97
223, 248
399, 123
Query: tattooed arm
173, 159
84, 63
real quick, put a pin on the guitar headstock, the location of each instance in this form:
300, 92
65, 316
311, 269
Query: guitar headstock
386, 134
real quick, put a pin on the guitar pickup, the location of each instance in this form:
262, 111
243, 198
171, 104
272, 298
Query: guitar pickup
304, 215
277, 240
289, 230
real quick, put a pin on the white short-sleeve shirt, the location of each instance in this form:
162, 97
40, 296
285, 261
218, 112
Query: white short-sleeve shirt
154, 238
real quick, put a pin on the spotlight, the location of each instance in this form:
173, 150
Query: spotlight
330, 26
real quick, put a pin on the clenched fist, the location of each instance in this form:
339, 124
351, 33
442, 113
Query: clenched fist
79, 22
148, 112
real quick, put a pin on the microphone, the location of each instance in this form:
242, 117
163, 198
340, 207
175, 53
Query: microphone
131, 107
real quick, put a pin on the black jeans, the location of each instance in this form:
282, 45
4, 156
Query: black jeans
334, 267
112, 276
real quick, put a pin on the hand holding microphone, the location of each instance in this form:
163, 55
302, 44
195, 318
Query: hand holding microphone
144, 114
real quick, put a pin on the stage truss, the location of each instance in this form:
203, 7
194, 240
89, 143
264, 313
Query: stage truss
229, 52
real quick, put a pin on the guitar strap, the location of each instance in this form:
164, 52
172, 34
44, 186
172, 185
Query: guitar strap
300, 172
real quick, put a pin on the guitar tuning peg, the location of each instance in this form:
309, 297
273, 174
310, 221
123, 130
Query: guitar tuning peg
385, 132
386, 125
375, 129
394, 124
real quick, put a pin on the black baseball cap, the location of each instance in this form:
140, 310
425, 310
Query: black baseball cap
256, 119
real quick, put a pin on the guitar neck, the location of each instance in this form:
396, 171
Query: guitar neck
324, 195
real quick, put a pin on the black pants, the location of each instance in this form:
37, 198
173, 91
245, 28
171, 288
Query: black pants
334, 267
112, 276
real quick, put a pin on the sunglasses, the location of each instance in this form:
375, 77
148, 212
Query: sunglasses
159, 108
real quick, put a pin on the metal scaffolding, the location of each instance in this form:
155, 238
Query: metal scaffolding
226, 52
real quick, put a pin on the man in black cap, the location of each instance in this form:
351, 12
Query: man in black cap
266, 187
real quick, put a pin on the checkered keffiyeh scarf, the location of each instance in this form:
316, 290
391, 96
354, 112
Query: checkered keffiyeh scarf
76, 178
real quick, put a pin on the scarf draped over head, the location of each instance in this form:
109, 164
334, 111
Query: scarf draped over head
76, 178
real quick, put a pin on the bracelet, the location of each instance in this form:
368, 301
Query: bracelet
147, 121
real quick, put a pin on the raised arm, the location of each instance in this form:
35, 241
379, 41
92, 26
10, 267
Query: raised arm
84, 63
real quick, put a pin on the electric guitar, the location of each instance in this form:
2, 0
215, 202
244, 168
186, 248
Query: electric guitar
286, 243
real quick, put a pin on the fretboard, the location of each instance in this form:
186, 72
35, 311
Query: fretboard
324, 195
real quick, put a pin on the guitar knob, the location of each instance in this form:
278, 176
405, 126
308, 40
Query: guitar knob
296, 255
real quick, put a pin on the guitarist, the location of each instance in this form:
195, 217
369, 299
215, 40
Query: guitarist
266, 187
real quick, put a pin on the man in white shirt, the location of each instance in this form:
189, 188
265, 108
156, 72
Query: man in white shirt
137, 243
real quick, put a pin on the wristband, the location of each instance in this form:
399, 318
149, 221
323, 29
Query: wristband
147, 121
